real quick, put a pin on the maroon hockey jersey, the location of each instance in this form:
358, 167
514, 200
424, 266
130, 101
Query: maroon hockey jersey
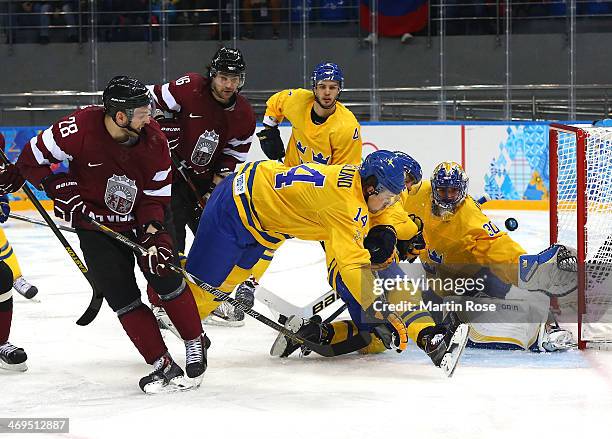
124, 186
212, 138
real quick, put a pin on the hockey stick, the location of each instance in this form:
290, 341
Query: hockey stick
27, 219
324, 350
96, 300
179, 167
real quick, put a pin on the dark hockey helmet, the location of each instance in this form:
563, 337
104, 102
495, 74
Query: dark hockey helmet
125, 94
229, 61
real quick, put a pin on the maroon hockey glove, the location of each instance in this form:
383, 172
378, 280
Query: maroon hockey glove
63, 189
11, 179
160, 247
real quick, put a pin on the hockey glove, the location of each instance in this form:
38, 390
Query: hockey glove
400, 332
11, 179
409, 249
160, 250
380, 242
379, 311
63, 189
552, 271
5, 208
271, 143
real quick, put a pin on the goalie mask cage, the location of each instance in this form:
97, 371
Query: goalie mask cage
580, 164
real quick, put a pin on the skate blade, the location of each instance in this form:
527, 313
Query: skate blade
177, 384
455, 350
21, 367
279, 346
219, 322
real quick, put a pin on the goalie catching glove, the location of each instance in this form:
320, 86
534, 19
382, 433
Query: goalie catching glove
552, 271
158, 243
271, 143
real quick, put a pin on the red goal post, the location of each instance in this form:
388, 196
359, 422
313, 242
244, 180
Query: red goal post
580, 171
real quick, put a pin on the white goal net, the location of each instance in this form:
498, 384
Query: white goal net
581, 217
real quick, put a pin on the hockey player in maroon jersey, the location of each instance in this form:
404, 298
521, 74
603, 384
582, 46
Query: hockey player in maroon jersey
120, 175
215, 128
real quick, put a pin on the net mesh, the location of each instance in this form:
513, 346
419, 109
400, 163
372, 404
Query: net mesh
597, 319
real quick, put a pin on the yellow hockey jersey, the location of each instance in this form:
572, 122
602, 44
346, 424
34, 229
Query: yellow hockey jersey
464, 243
336, 141
397, 216
312, 202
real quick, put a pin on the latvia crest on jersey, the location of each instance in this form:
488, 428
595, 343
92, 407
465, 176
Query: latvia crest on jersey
120, 194
205, 148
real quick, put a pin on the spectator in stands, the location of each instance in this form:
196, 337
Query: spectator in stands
555, 8
266, 9
477, 18
169, 6
25, 21
129, 19
64, 11
396, 18
595, 7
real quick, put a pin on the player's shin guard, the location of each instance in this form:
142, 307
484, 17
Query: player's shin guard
183, 312
141, 326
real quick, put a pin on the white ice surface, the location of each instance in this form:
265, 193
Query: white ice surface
90, 374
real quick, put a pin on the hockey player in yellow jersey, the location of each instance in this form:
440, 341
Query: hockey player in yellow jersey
463, 243
8, 255
323, 130
266, 203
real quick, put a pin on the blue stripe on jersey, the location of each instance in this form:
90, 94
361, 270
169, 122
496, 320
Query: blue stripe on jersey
249, 208
6, 256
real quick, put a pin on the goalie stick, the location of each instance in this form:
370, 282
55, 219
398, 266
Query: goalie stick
96, 300
323, 350
281, 307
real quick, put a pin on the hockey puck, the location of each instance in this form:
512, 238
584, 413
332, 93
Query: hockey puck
511, 224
